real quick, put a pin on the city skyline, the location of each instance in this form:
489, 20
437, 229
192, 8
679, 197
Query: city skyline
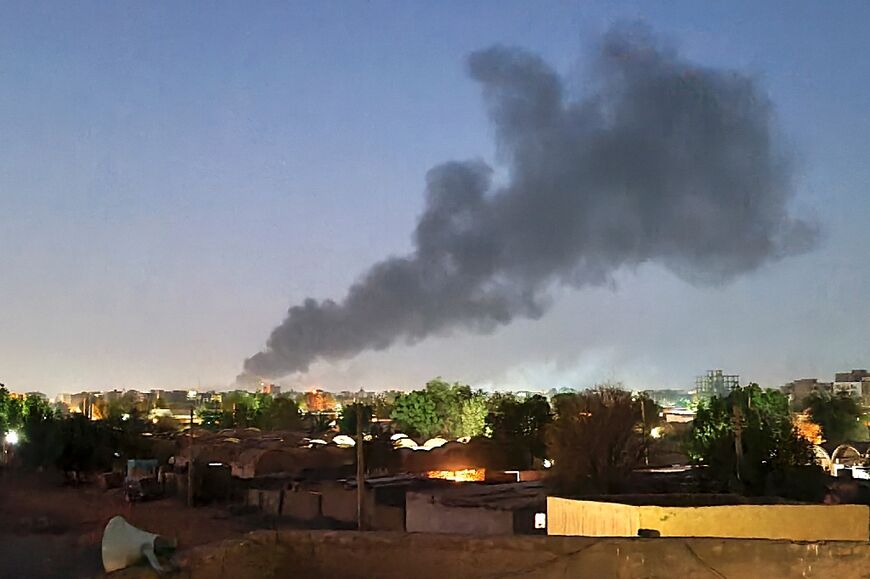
172, 181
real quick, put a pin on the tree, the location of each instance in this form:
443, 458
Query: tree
347, 420
11, 411
165, 424
415, 413
471, 421
747, 439
316, 423
521, 422
213, 417
382, 404
596, 440
451, 410
280, 414
838, 415
38, 447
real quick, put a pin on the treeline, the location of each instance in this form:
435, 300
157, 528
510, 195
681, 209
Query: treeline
594, 439
71, 443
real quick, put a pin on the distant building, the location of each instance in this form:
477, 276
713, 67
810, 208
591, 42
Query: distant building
112, 395
851, 383
798, 390
715, 383
270, 389
82, 403
319, 401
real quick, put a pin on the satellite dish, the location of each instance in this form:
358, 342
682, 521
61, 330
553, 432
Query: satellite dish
125, 545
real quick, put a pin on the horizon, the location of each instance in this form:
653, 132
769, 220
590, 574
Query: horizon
487, 388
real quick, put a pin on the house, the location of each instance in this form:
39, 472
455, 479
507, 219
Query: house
477, 509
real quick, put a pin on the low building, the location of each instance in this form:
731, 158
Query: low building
477, 509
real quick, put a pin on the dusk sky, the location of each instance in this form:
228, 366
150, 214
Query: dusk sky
175, 176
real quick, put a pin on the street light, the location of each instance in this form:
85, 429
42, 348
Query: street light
11, 438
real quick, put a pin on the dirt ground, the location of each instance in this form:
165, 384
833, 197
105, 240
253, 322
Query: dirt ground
51, 530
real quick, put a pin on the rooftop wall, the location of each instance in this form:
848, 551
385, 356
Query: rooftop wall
352, 555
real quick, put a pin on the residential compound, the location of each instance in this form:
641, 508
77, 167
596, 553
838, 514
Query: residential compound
156, 402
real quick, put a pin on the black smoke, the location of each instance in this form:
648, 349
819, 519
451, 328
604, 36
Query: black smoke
661, 161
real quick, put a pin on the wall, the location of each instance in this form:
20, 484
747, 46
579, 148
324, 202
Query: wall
591, 519
424, 514
333, 501
792, 522
339, 503
301, 505
352, 555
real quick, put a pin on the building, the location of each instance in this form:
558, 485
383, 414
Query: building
715, 383
680, 415
270, 389
798, 390
477, 509
853, 383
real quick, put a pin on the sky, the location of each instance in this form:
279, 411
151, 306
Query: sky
175, 176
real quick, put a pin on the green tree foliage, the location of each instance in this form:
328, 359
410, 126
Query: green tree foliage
212, 416
596, 440
521, 422
416, 413
471, 420
11, 411
347, 419
451, 410
769, 444
241, 409
839, 415
37, 431
316, 423
280, 414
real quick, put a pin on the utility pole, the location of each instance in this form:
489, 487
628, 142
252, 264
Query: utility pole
645, 437
190, 462
360, 469
738, 438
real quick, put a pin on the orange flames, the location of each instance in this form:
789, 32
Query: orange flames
463, 475
807, 429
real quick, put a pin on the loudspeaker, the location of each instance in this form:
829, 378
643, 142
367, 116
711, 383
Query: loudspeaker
125, 545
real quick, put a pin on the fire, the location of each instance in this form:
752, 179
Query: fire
463, 475
807, 429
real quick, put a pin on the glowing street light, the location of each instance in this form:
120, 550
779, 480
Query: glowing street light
12, 438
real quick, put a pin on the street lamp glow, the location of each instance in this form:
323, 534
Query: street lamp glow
12, 437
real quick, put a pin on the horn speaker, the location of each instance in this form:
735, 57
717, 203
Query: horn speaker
125, 545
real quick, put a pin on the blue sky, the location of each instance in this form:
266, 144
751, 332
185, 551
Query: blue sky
173, 176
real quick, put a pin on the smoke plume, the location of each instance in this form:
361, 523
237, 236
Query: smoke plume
660, 161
